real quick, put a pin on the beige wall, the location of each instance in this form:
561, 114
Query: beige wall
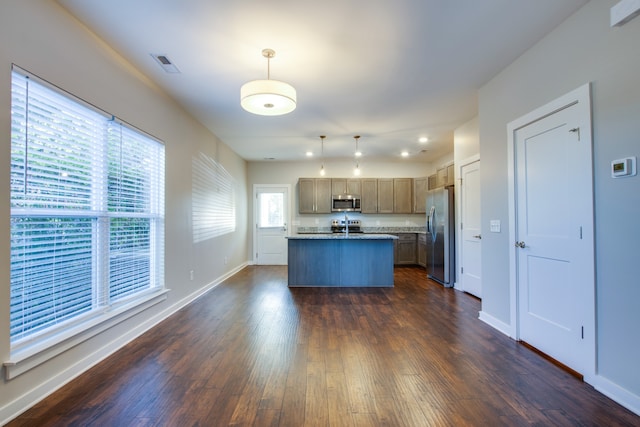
466, 141
583, 49
41, 37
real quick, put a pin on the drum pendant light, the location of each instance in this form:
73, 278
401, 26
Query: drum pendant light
268, 97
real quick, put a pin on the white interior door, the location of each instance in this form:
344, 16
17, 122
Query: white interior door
554, 229
271, 224
471, 247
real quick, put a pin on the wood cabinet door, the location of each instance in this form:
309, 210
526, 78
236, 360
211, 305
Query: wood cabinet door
441, 177
406, 249
450, 175
338, 186
422, 250
369, 195
402, 191
354, 187
306, 195
385, 195
323, 195
346, 186
432, 182
420, 195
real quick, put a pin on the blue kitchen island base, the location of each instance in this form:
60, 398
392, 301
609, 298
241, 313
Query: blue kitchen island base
337, 261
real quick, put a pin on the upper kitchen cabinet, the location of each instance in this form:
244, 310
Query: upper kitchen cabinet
432, 182
450, 175
441, 177
314, 195
369, 195
346, 186
420, 187
402, 192
385, 195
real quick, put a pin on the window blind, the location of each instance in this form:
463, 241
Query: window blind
87, 211
213, 208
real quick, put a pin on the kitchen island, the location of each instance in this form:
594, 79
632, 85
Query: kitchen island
356, 260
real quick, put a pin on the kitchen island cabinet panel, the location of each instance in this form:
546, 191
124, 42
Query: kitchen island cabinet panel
324, 261
313, 263
368, 263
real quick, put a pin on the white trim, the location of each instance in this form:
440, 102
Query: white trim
582, 97
459, 284
42, 390
254, 227
495, 323
28, 358
615, 392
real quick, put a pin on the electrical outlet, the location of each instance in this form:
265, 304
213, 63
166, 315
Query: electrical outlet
226, 260
191, 275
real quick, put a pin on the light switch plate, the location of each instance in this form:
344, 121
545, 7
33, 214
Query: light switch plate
494, 225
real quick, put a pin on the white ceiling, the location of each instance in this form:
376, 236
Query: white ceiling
391, 71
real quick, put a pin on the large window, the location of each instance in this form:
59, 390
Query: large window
87, 212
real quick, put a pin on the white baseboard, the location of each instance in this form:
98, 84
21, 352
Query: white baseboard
495, 323
621, 395
44, 389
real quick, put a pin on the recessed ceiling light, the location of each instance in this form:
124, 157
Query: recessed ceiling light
423, 139
405, 154
309, 154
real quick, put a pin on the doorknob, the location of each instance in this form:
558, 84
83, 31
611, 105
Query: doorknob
477, 236
520, 245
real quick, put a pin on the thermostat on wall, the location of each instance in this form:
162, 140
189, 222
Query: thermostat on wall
623, 167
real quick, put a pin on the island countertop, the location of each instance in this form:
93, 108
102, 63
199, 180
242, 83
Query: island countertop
342, 236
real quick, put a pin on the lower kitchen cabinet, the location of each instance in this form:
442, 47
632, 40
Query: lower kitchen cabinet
405, 249
422, 250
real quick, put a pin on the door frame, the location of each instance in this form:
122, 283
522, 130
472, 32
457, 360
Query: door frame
581, 97
458, 194
254, 228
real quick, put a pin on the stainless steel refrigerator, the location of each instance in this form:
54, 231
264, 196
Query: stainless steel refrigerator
441, 236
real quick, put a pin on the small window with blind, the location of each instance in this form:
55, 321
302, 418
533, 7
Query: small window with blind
87, 213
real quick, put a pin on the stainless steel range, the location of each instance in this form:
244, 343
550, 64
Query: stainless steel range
340, 226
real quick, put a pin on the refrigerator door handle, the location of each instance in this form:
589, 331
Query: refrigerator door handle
430, 222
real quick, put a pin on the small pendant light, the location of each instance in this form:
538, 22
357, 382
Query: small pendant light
322, 171
356, 154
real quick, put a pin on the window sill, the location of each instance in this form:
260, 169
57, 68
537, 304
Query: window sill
28, 358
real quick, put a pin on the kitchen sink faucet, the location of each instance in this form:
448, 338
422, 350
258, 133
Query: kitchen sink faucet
346, 225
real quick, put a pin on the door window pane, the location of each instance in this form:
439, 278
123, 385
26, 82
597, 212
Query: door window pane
271, 208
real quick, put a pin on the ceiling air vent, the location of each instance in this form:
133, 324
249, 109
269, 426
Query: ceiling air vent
165, 63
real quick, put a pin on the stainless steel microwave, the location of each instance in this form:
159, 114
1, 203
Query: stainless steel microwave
345, 203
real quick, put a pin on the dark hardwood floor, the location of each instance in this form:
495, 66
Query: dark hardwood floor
253, 352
